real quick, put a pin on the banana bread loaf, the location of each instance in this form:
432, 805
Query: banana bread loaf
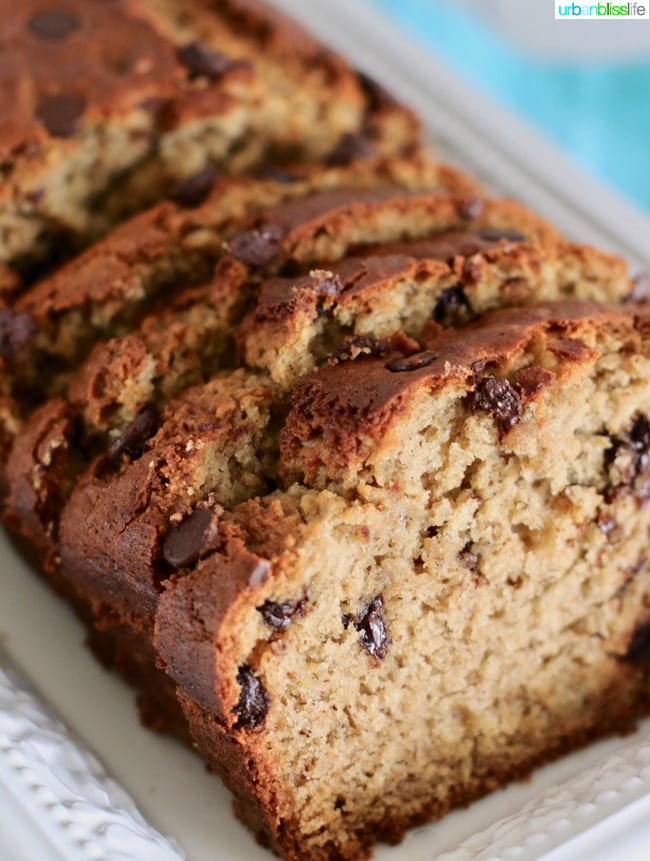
340, 461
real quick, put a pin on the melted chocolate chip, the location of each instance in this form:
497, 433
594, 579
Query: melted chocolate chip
499, 398
253, 704
193, 191
276, 174
468, 557
257, 247
640, 434
35, 196
412, 363
629, 461
279, 615
351, 147
183, 543
326, 283
16, 331
641, 288
494, 235
60, 113
203, 63
451, 305
360, 345
133, 438
470, 208
54, 25
370, 623
638, 652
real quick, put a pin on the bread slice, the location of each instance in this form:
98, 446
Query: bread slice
107, 107
105, 291
452, 588
190, 335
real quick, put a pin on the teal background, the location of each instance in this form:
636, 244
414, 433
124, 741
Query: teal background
598, 112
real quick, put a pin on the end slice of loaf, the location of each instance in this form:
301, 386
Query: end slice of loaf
106, 107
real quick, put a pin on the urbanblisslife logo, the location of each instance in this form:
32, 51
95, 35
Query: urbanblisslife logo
602, 11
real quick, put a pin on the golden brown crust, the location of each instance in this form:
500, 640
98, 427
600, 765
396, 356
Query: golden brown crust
184, 87
339, 413
215, 507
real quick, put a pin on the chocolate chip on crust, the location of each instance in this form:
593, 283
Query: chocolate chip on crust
253, 704
499, 398
451, 305
132, 439
54, 25
193, 191
16, 331
257, 247
351, 147
202, 62
60, 113
495, 235
183, 543
359, 345
470, 208
412, 363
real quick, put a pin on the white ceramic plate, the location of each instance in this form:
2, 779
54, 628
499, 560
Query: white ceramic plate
58, 802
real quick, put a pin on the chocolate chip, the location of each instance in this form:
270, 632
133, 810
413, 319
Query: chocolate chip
183, 543
35, 196
133, 438
257, 247
640, 434
253, 704
470, 208
326, 283
374, 635
452, 304
54, 25
16, 331
360, 345
60, 113
279, 615
276, 174
607, 525
499, 398
351, 147
628, 461
412, 363
638, 652
202, 62
495, 235
641, 288
468, 557
193, 190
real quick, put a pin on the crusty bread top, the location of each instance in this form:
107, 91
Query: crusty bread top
61, 67
339, 412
